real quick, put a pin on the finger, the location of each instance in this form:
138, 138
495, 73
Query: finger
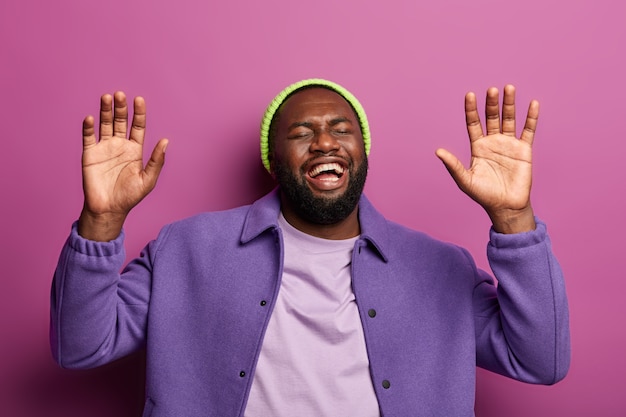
138, 128
106, 116
120, 114
508, 111
155, 163
492, 111
89, 133
454, 166
474, 128
530, 127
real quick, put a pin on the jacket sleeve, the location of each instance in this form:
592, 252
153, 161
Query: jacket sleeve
97, 313
523, 331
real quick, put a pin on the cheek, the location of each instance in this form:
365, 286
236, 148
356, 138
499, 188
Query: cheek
354, 145
356, 152
282, 161
292, 155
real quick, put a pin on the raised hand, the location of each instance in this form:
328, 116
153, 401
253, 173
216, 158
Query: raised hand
499, 177
114, 177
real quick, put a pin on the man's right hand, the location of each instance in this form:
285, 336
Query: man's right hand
114, 178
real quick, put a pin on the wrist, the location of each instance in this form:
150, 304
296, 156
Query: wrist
510, 221
100, 227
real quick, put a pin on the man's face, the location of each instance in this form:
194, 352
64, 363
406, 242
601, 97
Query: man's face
318, 156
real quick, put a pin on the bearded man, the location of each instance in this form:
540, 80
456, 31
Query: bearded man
309, 302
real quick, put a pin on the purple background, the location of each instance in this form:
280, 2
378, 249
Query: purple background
207, 70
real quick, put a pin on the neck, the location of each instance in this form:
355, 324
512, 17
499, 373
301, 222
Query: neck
344, 229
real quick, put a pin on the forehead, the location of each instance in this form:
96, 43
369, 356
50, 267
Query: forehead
315, 102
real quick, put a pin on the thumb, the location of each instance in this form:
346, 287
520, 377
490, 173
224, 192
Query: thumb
155, 163
454, 166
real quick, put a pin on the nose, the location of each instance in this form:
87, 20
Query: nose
324, 142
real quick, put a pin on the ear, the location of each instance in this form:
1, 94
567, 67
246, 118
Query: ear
270, 158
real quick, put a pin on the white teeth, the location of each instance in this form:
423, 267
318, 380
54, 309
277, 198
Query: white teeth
338, 169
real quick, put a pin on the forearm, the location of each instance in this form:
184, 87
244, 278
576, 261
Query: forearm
526, 335
90, 322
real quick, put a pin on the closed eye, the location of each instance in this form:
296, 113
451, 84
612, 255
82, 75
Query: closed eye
300, 130
300, 135
341, 126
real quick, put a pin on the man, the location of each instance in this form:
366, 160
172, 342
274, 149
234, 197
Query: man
309, 302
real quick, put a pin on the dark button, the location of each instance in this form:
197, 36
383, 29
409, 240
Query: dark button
263, 302
386, 384
242, 374
371, 312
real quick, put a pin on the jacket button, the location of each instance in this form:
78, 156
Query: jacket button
242, 374
263, 302
371, 312
386, 384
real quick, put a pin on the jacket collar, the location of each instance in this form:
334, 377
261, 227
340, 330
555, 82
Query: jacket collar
263, 215
374, 227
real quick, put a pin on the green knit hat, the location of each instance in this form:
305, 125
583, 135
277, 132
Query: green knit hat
282, 96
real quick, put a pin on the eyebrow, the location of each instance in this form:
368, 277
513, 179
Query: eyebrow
300, 124
338, 120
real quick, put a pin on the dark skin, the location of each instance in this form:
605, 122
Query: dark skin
316, 127
114, 177
499, 176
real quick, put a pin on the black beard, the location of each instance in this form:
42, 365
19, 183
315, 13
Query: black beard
321, 210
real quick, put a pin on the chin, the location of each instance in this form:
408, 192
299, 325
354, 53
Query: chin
321, 206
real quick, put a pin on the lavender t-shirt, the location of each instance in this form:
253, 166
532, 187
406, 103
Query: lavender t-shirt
313, 361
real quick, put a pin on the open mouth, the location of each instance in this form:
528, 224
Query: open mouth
327, 172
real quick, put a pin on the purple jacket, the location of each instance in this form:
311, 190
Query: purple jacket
200, 297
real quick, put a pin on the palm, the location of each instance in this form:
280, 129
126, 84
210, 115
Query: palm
500, 172
112, 177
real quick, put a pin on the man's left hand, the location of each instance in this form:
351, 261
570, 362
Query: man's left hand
499, 177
